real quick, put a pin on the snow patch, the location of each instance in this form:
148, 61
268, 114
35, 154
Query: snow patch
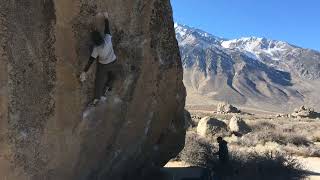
251, 55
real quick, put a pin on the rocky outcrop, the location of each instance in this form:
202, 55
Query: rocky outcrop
208, 126
305, 112
43, 133
188, 120
238, 126
227, 108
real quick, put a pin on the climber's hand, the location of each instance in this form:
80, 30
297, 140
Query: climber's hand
83, 77
103, 14
99, 14
106, 15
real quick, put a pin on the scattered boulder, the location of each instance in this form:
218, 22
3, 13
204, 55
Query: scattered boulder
283, 116
238, 126
305, 112
195, 119
227, 108
208, 126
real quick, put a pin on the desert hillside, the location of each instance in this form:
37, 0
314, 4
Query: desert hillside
251, 72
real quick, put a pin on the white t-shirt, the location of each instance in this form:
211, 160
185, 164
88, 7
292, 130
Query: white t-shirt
105, 51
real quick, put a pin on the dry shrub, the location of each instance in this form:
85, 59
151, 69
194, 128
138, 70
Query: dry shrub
265, 166
296, 140
305, 151
284, 134
196, 150
242, 165
264, 125
261, 137
316, 137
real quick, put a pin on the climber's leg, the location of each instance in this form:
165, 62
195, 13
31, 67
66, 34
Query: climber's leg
111, 77
108, 85
101, 79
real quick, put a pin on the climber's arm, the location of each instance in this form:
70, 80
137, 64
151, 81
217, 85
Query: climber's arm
106, 24
83, 75
107, 27
91, 60
94, 56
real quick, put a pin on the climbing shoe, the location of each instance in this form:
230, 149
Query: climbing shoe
94, 102
103, 98
107, 90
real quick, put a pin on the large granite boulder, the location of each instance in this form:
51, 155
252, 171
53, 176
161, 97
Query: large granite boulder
44, 132
238, 126
208, 127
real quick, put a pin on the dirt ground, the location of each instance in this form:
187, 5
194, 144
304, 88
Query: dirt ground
177, 164
312, 165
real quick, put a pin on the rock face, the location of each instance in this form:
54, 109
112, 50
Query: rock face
227, 108
238, 126
208, 126
43, 133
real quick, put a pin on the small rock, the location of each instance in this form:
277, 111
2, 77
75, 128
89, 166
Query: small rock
282, 115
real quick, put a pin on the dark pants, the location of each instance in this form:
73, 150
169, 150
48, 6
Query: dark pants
103, 79
224, 169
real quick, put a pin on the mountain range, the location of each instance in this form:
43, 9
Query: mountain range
251, 72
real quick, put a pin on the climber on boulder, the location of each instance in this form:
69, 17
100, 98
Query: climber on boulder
104, 53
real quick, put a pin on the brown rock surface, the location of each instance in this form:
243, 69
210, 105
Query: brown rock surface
44, 46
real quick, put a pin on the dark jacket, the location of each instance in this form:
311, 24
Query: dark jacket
223, 151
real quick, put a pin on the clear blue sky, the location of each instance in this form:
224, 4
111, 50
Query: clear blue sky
294, 21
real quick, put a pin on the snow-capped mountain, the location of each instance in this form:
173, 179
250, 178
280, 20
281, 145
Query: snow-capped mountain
254, 47
188, 35
255, 72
